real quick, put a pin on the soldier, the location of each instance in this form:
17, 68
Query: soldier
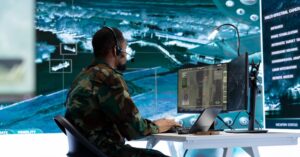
99, 104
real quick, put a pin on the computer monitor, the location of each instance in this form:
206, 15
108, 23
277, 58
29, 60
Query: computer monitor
222, 86
218, 88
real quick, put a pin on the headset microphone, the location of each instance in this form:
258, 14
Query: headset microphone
132, 59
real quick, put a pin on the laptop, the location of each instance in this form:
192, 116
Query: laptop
203, 122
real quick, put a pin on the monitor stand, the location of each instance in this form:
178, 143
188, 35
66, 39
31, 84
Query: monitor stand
246, 131
253, 91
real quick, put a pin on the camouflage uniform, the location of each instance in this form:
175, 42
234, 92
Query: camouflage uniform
99, 105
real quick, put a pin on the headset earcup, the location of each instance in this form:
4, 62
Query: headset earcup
119, 51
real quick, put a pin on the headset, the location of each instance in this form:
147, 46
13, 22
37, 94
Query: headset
119, 49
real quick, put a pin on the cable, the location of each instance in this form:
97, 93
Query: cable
216, 30
185, 152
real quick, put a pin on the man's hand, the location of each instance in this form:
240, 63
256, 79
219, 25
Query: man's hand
165, 124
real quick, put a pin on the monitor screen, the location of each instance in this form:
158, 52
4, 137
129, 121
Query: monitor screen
202, 87
221, 85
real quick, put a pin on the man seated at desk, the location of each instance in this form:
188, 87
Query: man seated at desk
99, 104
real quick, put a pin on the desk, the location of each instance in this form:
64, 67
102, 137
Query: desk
248, 142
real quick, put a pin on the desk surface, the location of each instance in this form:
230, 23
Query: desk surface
223, 135
230, 140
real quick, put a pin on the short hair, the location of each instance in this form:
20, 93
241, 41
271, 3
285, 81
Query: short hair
103, 40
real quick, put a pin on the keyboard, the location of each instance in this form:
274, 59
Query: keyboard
183, 130
186, 130
179, 130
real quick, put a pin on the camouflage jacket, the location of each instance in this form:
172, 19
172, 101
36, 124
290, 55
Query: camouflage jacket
99, 104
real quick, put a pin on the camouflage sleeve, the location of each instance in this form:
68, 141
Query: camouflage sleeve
122, 110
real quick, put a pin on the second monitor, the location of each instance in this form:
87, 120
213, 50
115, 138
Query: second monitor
222, 86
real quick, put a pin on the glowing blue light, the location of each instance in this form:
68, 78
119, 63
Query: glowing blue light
229, 3
248, 2
254, 17
244, 121
240, 11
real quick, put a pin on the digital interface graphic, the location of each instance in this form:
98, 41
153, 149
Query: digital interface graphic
281, 56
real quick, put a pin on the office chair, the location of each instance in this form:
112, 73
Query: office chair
79, 146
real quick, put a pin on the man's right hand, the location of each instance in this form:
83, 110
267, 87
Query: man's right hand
165, 124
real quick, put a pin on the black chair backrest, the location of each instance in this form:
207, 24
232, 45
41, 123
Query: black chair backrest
79, 146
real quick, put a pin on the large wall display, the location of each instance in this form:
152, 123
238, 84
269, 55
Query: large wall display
162, 35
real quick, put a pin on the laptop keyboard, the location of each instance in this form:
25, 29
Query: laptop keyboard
183, 130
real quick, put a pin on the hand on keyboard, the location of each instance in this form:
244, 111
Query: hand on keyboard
165, 124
